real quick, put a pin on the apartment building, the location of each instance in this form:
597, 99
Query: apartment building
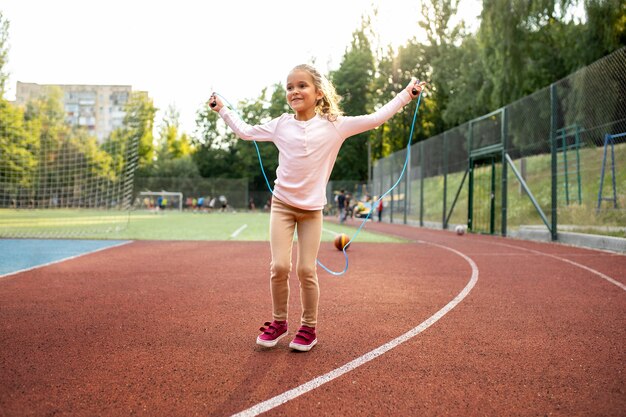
97, 108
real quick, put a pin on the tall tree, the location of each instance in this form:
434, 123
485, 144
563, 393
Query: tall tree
19, 148
172, 144
173, 152
605, 29
214, 146
4, 52
353, 81
517, 38
468, 93
453, 64
219, 153
263, 111
46, 117
138, 125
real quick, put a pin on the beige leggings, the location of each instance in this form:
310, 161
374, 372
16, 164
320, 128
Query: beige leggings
283, 222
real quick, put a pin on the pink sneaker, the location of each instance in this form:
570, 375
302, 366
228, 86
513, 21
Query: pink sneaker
272, 333
305, 339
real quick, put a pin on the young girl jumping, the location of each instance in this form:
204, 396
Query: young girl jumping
308, 142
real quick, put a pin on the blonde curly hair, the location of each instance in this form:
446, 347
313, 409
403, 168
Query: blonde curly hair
328, 105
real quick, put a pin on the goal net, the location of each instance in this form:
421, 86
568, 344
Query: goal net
62, 182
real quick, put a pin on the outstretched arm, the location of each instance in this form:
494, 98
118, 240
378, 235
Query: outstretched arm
261, 133
350, 126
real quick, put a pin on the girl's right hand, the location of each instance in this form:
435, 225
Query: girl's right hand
215, 103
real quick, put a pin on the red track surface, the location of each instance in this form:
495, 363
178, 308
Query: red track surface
169, 328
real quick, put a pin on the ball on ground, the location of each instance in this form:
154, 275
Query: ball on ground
341, 240
459, 230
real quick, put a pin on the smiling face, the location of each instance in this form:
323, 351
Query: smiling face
302, 95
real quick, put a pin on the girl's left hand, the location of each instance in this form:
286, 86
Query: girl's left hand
415, 87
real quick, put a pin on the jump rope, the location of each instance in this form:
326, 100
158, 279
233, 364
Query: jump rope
406, 161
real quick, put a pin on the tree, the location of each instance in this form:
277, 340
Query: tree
219, 153
172, 145
353, 81
605, 30
467, 92
138, 124
4, 52
173, 152
46, 118
260, 111
450, 55
520, 46
19, 149
214, 146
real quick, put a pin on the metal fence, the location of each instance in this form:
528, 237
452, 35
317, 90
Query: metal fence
553, 160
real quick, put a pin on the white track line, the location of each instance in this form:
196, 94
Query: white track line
236, 232
63, 260
371, 355
586, 268
330, 231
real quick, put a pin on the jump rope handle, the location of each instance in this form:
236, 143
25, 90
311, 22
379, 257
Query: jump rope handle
214, 102
414, 90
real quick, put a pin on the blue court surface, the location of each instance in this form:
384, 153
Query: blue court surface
22, 254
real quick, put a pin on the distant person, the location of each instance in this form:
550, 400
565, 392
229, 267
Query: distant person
308, 142
251, 205
341, 205
223, 202
379, 209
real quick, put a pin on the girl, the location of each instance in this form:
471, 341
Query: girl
308, 142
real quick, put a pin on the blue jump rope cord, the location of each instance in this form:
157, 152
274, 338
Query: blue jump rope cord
406, 161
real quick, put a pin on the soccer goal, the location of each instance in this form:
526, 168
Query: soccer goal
160, 200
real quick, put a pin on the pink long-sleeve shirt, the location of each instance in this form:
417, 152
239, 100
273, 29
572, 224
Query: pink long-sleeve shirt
307, 150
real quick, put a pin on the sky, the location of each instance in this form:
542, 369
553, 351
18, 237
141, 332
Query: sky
180, 51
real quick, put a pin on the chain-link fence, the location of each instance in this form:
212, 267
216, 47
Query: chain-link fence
552, 160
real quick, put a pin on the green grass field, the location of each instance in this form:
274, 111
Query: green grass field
148, 225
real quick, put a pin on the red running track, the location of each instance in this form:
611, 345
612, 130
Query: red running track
443, 325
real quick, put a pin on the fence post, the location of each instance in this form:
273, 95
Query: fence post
392, 157
553, 115
445, 181
470, 182
422, 183
505, 171
381, 165
407, 175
